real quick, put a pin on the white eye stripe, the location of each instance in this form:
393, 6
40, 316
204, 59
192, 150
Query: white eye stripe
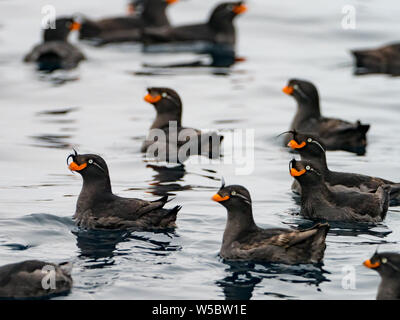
297, 88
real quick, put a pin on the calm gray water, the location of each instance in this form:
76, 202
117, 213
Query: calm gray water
102, 111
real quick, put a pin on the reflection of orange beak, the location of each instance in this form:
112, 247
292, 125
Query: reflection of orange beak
242, 8
151, 99
171, 1
75, 26
294, 145
288, 90
218, 198
371, 265
75, 167
295, 173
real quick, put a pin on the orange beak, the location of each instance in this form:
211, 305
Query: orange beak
171, 1
295, 173
75, 167
294, 145
371, 265
240, 9
216, 197
288, 90
75, 26
151, 99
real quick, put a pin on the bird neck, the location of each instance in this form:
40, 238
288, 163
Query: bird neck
162, 120
238, 225
319, 162
306, 109
96, 188
54, 35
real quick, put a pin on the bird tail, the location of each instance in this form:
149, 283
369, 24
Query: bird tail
168, 220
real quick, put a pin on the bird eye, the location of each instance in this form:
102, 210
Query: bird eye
164, 94
309, 140
233, 193
295, 87
90, 161
308, 168
230, 7
384, 260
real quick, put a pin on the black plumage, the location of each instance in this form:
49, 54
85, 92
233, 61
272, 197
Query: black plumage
168, 140
127, 28
218, 29
385, 60
387, 264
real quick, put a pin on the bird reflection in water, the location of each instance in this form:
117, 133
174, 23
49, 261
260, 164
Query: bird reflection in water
243, 277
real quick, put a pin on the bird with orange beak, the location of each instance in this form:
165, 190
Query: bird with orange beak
244, 240
99, 208
387, 264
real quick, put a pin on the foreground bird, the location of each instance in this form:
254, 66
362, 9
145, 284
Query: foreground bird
99, 208
347, 205
219, 29
312, 149
34, 279
244, 240
336, 134
381, 60
387, 264
127, 28
56, 52
168, 140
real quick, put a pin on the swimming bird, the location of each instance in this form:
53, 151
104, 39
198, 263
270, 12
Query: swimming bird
98, 208
219, 29
387, 264
168, 140
127, 28
385, 59
244, 240
56, 52
313, 150
323, 203
336, 134
34, 279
